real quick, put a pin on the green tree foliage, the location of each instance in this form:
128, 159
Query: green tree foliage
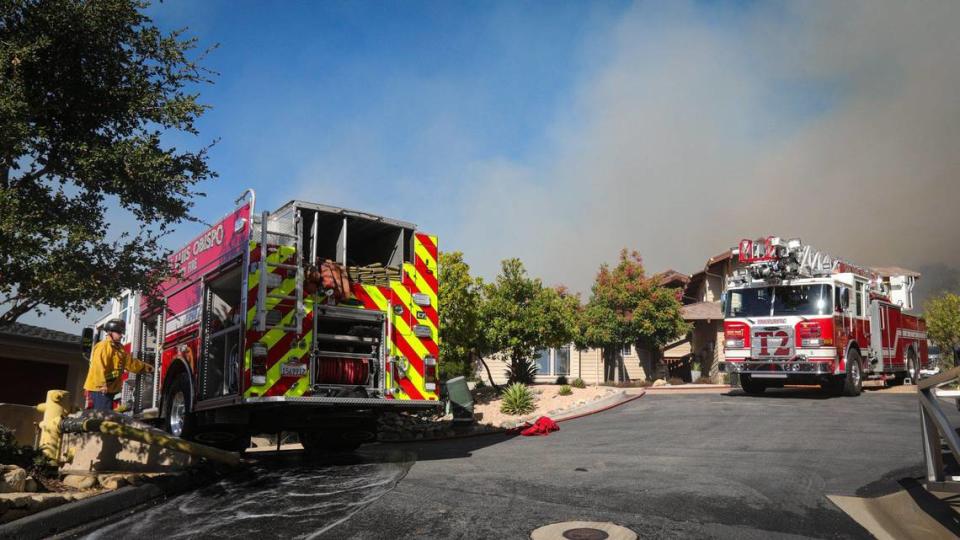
461, 297
943, 324
521, 315
87, 91
626, 307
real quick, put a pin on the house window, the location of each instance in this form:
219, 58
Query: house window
627, 350
553, 362
561, 361
542, 358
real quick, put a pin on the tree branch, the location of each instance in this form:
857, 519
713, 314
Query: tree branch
14, 313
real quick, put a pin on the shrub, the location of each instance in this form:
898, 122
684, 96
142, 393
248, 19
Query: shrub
521, 371
562, 380
516, 399
26, 457
564, 391
578, 383
675, 381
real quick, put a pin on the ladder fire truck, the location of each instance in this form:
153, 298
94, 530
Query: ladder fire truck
242, 344
796, 315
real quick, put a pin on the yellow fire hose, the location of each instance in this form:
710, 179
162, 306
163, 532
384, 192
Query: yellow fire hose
55, 422
162, 440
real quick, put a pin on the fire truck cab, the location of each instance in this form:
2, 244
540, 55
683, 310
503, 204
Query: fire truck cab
242, 346
796, 315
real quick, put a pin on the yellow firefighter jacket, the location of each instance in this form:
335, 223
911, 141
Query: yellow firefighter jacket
107, 364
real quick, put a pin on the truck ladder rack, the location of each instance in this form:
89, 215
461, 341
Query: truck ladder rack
265, 265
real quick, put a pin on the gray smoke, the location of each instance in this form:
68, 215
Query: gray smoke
838, 122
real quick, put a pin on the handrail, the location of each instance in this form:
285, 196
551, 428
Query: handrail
936, 429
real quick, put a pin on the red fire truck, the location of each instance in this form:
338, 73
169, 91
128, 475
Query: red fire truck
243, 345
796, 315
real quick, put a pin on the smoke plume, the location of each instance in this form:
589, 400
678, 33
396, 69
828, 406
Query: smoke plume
836, 122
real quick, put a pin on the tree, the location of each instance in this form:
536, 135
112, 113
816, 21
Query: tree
626, 307
87, 92
461, 298
943, 325
521, 316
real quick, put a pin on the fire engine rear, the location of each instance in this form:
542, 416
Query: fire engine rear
244, 341
796, 315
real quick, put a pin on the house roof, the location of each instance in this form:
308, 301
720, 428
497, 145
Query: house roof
701, 311
672, 277
38, 333
888, 271
720, 257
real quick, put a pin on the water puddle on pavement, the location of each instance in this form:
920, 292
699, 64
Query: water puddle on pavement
286, 497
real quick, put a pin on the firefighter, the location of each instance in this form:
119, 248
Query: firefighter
107, 364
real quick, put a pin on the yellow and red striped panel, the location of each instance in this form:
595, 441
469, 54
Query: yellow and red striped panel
282, 346
404, 315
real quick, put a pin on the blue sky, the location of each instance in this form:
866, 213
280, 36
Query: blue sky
374, 104
561, 132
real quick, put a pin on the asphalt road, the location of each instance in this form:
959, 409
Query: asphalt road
665, 466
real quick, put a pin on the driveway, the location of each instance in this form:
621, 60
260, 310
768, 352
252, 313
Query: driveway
665, 466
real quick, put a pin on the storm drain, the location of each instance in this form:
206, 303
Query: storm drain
583, 530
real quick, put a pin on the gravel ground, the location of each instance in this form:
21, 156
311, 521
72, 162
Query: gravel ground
547, 400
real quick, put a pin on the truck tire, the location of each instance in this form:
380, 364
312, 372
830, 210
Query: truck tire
853, 381
178, 407
751, 386
913, 367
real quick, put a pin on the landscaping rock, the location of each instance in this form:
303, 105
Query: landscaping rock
14, 479
508, 424
77, 481
112, 481
31, 485
660, 382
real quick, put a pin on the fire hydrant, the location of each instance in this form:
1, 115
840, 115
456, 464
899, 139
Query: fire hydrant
54, 409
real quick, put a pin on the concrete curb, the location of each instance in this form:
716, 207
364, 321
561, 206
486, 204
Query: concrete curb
598, 406
680, 388
62, 518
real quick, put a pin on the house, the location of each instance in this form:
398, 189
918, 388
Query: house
630, 363
701, 299
35, 360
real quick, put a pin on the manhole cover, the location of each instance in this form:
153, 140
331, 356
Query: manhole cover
583, 530
585, 533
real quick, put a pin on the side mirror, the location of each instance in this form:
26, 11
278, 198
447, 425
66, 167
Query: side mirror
844, 298
86, 341
723, 304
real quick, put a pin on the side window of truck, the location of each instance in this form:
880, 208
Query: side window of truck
859, 299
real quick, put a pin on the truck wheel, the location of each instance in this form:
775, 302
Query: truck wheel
853, 382
751, 386
177, 407
913, 370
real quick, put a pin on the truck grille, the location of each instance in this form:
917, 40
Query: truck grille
772, 342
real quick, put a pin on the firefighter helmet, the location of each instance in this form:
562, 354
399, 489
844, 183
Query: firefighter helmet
115, 325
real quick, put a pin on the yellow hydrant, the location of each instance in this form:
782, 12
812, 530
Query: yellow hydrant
54, 409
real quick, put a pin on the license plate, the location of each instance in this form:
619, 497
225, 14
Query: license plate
293, 369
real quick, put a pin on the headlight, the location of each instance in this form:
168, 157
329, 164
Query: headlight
734, 343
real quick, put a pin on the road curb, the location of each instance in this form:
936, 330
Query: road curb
62, 518
682, 387
592, 408
602, 405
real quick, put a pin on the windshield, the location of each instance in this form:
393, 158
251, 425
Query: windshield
783, 300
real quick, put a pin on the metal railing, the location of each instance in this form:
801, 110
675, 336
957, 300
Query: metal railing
937, 429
